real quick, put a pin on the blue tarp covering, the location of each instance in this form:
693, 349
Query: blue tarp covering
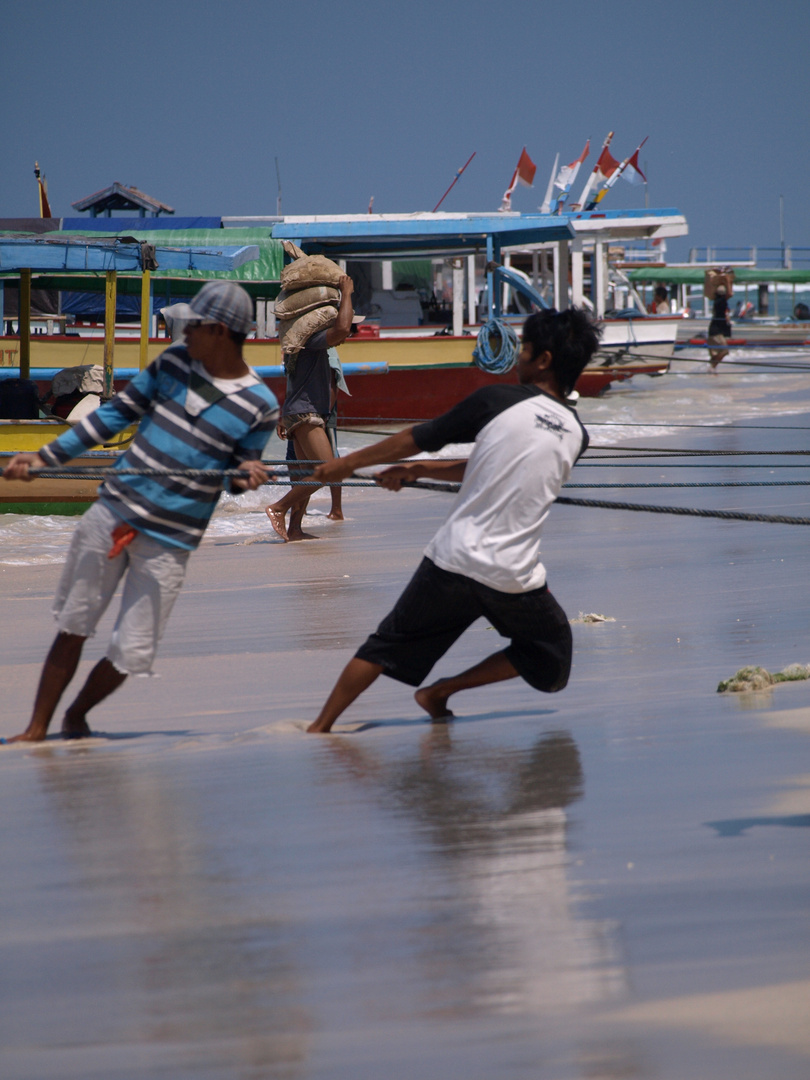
90, 306
125, 225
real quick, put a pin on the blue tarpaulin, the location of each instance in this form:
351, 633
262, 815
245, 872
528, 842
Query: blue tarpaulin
125, 225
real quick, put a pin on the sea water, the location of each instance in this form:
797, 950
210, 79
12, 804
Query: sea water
753, 387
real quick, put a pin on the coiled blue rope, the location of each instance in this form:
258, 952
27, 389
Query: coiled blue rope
496, 335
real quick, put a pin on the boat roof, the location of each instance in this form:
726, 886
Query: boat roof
122, 254
248, 256
694, 275
420, 234
121, 197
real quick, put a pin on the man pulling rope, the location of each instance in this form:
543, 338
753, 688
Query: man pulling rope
200, 408
484, 560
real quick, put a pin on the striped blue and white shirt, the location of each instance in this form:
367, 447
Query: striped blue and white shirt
186, 420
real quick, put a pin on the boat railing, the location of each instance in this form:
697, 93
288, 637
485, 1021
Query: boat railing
785, 258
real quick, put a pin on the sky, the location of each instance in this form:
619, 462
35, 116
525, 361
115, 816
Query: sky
194, 103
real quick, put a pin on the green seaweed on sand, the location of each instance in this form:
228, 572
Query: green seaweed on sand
759, 678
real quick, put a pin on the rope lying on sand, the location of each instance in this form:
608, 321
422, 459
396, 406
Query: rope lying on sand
429, 485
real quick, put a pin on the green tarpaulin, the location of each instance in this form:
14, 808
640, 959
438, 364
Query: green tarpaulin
689, 275
260, 276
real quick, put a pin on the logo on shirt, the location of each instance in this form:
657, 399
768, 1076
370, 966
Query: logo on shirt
551, 424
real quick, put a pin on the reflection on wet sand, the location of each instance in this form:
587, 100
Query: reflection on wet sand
502, 931
154, 944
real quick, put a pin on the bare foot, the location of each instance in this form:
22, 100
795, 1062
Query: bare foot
75, 728
322, 728
335, 515
277, 521
29, 735
434, 702
299, 535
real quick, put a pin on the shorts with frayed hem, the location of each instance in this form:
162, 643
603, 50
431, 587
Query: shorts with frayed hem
153, 576
438, 606
297, 420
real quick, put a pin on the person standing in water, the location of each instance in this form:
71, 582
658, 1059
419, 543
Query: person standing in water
484, 560
199, 407
307, 403
719, 328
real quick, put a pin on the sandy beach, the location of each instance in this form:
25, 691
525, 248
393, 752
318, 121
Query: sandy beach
602, 884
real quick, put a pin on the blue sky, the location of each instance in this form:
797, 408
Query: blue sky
193, 102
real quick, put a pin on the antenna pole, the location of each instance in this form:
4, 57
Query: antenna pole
458, 174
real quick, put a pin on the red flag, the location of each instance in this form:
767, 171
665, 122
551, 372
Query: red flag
631, 172
606, 165
524, 172
526, 169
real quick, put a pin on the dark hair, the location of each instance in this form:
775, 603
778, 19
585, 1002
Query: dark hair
661, 290
571, 338
236, 338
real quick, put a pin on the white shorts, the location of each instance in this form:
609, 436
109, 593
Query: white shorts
154, 576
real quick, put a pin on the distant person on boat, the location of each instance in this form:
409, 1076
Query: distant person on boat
307, 403
484, 560
719, 328
661, 304
200, 407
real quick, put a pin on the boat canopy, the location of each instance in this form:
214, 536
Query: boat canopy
391, 236
694, 275
260, 274
124, 255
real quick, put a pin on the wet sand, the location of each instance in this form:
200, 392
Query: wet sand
606, 883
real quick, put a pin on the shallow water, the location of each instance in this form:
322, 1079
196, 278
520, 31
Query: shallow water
596, 885
687, 398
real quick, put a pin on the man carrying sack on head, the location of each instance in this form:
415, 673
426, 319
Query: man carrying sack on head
308, 401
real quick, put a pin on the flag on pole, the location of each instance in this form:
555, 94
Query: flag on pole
42, 184
631, 172
524, 173
526, 169
629, 165
567, 175
597, 173
546, 206
606, 166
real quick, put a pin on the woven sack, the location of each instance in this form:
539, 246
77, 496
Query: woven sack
295, 333
311, 270
87, 378
289, 305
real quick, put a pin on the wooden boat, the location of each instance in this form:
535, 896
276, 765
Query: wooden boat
62, 497
405, 377
748, 334
43, 255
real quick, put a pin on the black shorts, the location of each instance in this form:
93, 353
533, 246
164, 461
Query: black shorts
437, 607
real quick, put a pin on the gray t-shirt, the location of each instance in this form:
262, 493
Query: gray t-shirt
309, 385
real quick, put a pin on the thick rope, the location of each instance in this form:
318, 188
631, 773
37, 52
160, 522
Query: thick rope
496, 348
427, 485
729, 515
651, 451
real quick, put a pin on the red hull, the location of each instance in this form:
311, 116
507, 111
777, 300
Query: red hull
421, 393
